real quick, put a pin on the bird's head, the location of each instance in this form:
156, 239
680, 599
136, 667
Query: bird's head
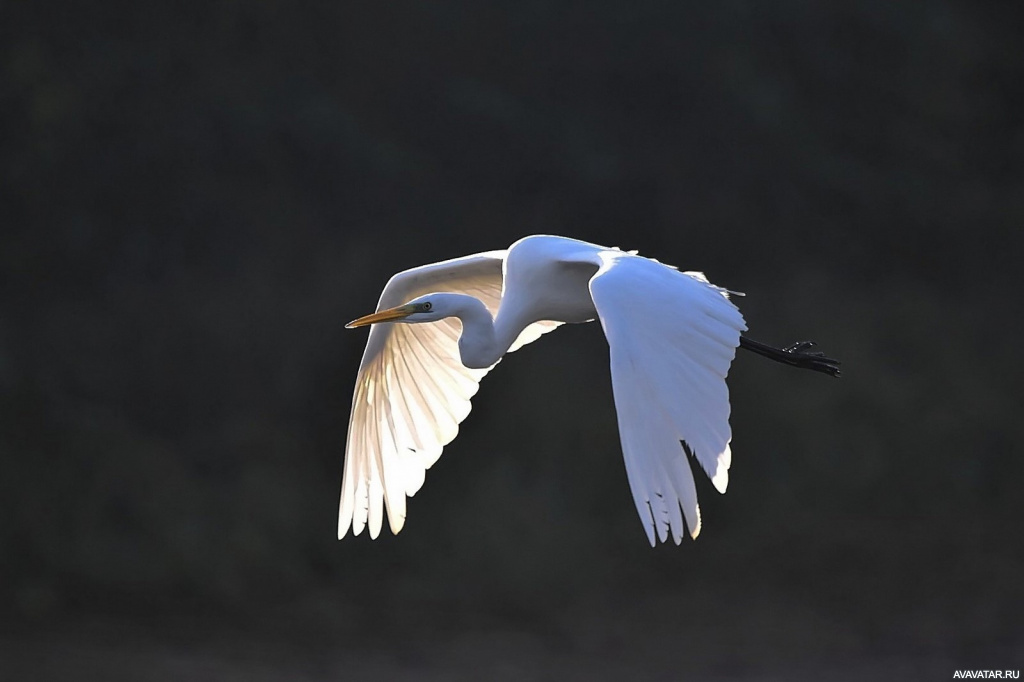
428, 308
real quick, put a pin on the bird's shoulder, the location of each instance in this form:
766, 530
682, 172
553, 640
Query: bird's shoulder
443, 275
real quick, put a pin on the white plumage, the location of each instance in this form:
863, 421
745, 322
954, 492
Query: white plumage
441, 327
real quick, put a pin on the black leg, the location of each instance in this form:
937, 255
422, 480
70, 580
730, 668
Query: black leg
796, 355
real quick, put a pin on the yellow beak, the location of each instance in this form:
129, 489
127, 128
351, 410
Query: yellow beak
389, 315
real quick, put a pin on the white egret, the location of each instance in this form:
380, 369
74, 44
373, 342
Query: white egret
672, 336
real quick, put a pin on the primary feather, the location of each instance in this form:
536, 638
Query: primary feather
669, 360
412, 392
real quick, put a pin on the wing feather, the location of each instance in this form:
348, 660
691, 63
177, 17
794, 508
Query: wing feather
412, 392
672, 337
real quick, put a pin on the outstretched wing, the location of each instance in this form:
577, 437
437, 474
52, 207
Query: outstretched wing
672, 337
412, 392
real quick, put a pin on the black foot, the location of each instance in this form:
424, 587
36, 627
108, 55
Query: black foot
796, 355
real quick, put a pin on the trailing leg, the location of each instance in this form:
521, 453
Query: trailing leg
796, 355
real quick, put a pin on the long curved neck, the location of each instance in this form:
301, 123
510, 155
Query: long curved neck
484, 339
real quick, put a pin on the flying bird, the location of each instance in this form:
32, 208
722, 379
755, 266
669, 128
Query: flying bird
440, 328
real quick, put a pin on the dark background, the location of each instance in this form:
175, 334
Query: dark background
195, 199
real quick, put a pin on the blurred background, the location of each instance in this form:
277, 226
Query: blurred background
195, 198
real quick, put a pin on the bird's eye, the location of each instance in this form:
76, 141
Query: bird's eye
427, 306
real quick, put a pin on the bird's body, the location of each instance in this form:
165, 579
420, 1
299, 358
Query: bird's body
439, 328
